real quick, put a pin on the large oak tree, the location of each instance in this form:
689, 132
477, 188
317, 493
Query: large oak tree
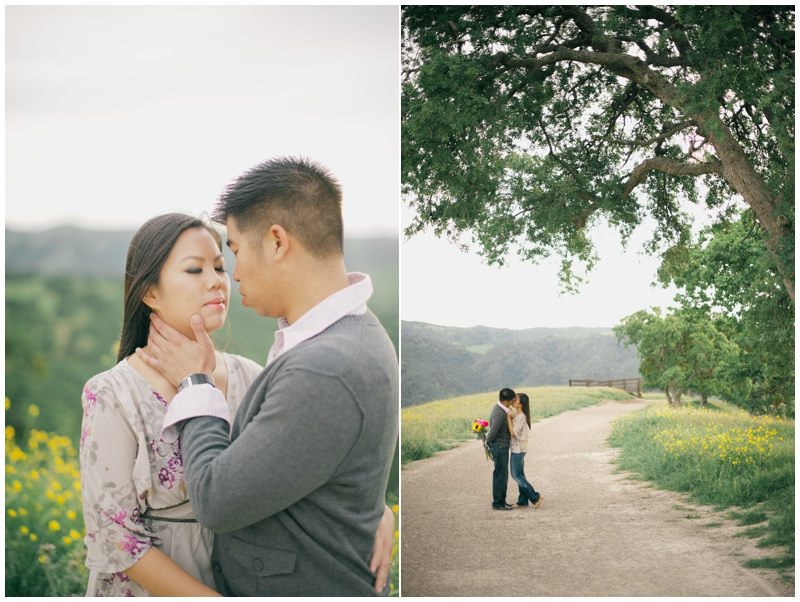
526, 124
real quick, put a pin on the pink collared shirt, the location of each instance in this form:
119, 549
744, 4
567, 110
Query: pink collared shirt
205, 400
346, 302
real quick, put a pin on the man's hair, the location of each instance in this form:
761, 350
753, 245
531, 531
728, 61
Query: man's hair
298, 194
507, 394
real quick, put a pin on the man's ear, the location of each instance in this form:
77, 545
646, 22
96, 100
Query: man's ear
277, 242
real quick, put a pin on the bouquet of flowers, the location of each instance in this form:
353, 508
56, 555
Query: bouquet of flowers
479, 426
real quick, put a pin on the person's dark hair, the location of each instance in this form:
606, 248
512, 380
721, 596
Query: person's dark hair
147, 253
507, 394
296, 193
526, 407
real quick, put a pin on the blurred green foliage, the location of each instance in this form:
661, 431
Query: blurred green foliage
61, 331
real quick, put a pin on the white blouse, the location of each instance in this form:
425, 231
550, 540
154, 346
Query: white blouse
131, 477
521, 434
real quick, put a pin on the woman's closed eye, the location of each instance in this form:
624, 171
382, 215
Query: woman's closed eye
220, 269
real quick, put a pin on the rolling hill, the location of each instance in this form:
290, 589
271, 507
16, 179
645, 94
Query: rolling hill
439, 362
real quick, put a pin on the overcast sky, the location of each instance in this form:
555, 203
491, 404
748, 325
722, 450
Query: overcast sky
115, 114
443, 285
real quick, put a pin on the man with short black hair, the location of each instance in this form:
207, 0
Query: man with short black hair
498, 439
296, 493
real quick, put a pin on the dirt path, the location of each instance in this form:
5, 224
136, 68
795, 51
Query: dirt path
596, 533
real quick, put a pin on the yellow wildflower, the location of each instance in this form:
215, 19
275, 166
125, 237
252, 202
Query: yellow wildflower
23, 512
55, 485
8, 403
53, 525
74, 534
43, 558
33, 537
16, 486
10, 432
33, 410
66, 540
24, 530
12, 513
71, 515
34, 474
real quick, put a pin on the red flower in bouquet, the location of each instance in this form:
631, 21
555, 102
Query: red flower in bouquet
479, 427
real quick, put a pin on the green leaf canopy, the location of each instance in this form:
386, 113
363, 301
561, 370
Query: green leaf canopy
522, 125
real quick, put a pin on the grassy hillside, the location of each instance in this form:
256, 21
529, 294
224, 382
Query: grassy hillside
440, 425
440, 362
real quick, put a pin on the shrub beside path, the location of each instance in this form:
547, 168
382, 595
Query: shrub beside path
597, 532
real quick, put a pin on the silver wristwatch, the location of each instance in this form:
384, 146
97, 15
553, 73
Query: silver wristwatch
196, 379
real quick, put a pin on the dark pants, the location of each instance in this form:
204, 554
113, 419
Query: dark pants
500, 474
526, 490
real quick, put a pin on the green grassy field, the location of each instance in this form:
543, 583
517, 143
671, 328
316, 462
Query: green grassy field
722, 457
439, 425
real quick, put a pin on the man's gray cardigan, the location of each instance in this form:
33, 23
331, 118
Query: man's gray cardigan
498, 428
295, 495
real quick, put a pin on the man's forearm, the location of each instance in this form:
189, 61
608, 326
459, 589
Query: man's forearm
234, 484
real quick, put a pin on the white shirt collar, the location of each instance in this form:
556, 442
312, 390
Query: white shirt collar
505, 409
351, 300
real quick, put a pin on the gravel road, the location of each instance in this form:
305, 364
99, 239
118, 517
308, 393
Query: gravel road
597, 532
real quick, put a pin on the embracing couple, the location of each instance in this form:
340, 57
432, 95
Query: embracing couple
206, 474
509, 430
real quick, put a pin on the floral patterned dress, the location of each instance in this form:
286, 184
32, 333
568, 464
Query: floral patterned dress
134, 494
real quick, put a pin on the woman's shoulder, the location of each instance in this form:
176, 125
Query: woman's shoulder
105, 380
118, 382
249, 368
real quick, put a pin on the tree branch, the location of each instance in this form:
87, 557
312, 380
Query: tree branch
669, 166
578, 220
670, 132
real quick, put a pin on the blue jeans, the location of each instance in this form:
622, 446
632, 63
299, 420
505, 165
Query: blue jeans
526, 491
500, 475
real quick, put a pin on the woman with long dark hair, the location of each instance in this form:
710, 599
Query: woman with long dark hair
141, 535
520, 426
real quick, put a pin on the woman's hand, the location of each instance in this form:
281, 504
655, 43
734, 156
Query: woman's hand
382, 552
175, 356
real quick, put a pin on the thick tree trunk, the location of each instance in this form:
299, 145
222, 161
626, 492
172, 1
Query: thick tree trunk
703, 400
745, 180
676, 396
669, 399
736, 169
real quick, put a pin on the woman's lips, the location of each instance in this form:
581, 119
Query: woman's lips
216, 304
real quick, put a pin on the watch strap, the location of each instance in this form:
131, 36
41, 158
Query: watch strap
196, 379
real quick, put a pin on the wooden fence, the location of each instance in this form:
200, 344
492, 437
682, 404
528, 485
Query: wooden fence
631, 385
